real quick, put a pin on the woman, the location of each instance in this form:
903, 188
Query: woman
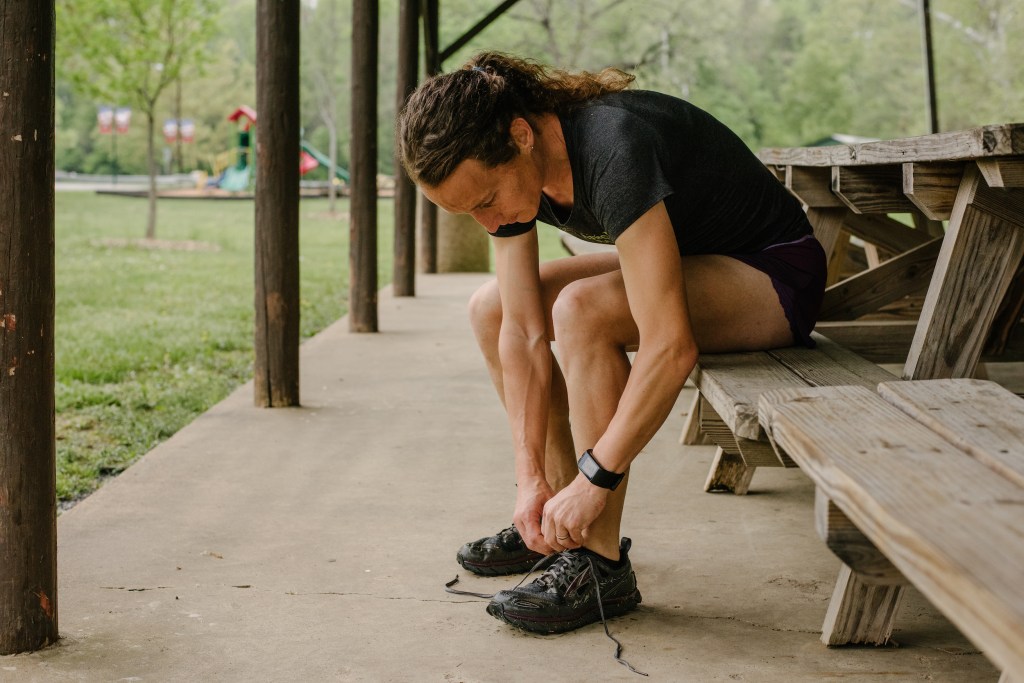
713, 255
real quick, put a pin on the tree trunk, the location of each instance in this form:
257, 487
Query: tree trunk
28, 512
276, 331
362, 314
151, 165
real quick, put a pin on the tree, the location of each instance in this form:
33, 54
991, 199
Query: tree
322, 24
130, 51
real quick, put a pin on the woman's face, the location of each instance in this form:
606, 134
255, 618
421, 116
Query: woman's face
509, 193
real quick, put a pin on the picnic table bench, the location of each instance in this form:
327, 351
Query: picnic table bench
919, 482
972, 274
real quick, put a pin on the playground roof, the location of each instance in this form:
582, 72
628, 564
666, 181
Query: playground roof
245, 111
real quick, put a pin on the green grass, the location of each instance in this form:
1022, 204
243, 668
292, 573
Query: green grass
148, 339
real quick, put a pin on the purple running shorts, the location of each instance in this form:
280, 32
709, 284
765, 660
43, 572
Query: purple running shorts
798, 270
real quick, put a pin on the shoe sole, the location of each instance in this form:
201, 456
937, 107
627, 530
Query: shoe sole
499, 568
551, 625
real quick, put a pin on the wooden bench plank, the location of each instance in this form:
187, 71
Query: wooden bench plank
978, 417
830, 364
904, 486
733, 383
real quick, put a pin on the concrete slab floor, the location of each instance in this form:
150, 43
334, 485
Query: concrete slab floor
312, 544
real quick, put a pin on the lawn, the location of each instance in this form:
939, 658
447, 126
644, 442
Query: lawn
148, 339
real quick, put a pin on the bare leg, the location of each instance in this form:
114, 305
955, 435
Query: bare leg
732, 307
485, 317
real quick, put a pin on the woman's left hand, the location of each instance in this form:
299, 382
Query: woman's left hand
568, 516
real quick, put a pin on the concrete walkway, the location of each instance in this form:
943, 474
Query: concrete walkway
312, 544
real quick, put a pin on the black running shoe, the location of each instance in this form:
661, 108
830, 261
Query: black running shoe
503, 553
566, 596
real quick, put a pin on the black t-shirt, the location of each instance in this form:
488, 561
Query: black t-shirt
632, 149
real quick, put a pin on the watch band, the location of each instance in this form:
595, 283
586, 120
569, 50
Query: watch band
598, 475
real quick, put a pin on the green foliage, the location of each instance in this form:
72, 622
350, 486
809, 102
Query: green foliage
779, 72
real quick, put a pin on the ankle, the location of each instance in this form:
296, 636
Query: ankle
609, 553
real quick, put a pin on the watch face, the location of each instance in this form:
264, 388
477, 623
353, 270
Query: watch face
588, 466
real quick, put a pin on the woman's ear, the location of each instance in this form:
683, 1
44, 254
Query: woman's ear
522, 134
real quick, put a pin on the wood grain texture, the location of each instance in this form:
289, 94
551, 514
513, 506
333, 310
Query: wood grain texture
276, 333
850, 545
975, 143
362, 314
878, 341
871, 189
885, 232
692, 435
866, 292
949, 523
1002, 172
728, 474
979, 257
404, 266
732, 383
978, 417
932, 187
812, 186
860, 612
830, 364
827, 224
28, 506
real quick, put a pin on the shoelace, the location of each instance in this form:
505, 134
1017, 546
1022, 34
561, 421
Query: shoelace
555, 571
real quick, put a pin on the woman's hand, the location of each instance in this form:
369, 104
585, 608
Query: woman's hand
531, 497
568, 516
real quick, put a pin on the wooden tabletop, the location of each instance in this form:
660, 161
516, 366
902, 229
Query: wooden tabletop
977, 143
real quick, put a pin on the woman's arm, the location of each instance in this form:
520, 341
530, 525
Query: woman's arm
525, 355
653, 278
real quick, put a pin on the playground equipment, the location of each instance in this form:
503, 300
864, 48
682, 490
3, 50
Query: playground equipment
233, 168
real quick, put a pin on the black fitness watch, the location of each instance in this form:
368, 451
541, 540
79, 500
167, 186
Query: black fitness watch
598, 475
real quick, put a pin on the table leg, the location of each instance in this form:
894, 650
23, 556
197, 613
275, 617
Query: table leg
980, 253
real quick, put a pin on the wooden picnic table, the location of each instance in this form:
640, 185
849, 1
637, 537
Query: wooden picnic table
972, 272
918, 482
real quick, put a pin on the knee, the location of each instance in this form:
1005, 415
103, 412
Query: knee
485, 310
575, 315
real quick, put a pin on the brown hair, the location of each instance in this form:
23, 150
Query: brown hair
467, 114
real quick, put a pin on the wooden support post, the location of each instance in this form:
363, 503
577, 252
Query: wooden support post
987, 226
851, 546
432, 66
28, 512
866, 292
276, 368
871, 189
868, 593
362, 314
932, 187
827, 223
860, 611
692, 434
728, 473
405, 192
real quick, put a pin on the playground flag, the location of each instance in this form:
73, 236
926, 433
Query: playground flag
187, 129
105, 119
170, 130
122, 117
